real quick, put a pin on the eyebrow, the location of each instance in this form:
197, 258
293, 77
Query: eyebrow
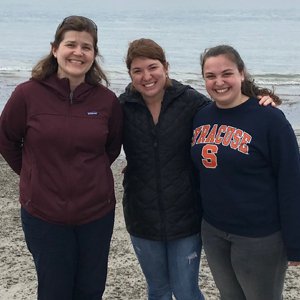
75, 42
151, 65
224, 71
227, 70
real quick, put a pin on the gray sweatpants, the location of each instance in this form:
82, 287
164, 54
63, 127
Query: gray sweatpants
245, 268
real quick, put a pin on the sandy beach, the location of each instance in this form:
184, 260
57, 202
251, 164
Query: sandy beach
265, 34
125, 280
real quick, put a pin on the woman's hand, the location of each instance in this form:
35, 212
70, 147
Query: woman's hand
266, 100
294, 263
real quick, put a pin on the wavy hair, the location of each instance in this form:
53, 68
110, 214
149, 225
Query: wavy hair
48, 65
248, 88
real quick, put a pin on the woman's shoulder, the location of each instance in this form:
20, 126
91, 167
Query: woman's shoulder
104, 89
269, 111
27, 84
26, 87
189, 94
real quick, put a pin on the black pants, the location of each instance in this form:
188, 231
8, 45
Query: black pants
71, 261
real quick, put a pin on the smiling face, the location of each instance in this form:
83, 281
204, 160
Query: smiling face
148, 77
75, 55
223, 81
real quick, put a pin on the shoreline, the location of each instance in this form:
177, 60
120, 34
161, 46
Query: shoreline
290, 94
125, 280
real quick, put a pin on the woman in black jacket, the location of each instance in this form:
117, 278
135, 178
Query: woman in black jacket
160, 197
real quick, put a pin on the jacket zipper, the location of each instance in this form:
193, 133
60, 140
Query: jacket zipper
158, 179
69, 196
71, 97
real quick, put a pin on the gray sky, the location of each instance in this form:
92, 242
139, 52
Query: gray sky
163, 4
217, 4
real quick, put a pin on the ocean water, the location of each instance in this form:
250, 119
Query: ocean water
268, 41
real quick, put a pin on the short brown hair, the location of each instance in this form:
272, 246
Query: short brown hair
149, 49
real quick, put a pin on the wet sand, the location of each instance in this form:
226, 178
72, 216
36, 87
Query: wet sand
125, 280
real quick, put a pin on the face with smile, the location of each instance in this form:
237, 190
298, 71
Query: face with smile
149, 78
75, 55
223, 81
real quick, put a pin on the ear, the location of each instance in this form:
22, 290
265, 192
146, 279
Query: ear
242, 76
166, 66
130, 75
54, 50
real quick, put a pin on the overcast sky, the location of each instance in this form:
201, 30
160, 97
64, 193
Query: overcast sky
162, 4
217, 4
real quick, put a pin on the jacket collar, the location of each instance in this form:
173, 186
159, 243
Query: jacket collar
61, 87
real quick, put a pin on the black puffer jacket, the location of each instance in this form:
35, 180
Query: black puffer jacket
160, 199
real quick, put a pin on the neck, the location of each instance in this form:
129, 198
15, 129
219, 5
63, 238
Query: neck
157, 99
154, 106
243, 98
74, 84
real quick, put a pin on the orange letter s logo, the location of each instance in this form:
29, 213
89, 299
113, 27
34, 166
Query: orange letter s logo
209, 156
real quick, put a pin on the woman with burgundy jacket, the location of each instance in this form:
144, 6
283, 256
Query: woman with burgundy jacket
61, 131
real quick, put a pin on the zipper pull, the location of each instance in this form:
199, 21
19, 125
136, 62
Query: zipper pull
71, 97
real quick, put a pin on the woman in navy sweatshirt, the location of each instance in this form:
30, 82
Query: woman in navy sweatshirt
249, 173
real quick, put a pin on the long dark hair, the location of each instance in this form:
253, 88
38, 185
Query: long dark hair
48, 65
249, 88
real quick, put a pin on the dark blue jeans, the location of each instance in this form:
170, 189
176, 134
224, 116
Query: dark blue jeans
71, 261
170, 267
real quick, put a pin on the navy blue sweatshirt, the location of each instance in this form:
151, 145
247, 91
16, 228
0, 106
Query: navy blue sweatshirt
249, 169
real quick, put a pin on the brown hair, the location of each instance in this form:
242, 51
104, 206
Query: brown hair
249, 88
149, 49
48, 65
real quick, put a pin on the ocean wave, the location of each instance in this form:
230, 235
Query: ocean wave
267, 78
277, 79
192, 78
8, 72
14, 68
